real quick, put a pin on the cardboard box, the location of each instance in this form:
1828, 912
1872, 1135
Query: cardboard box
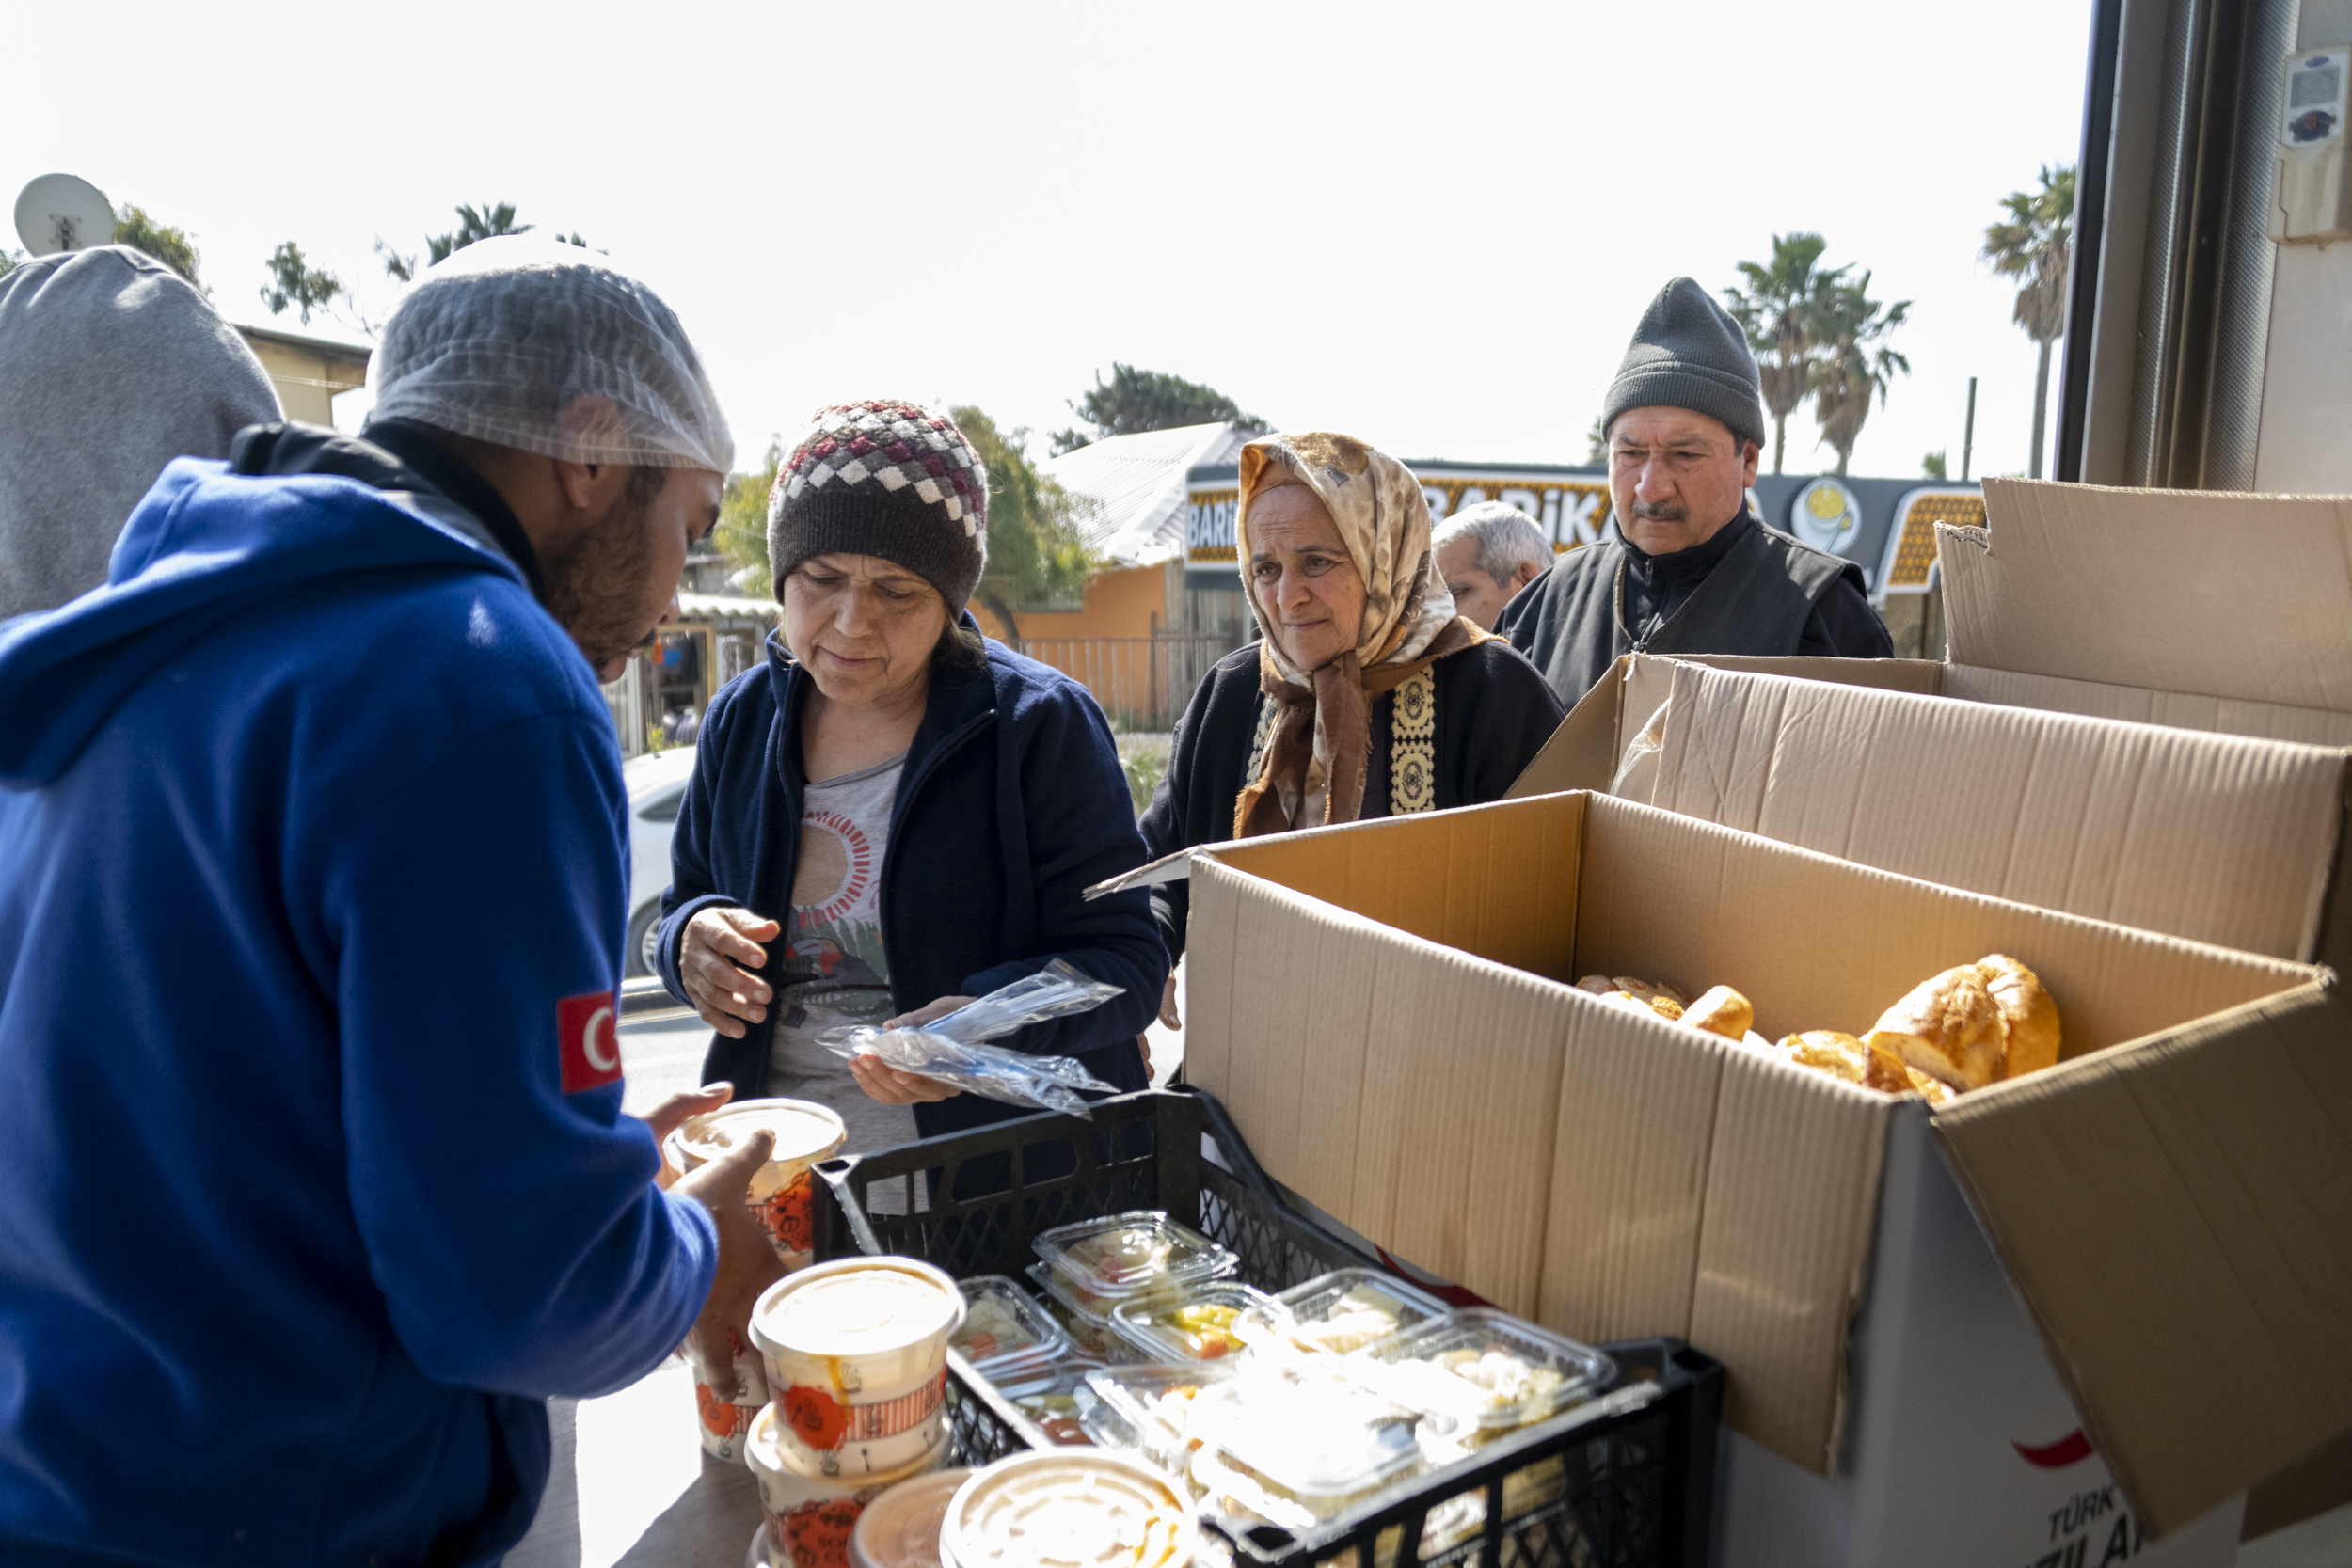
2219, 838
1386, 1009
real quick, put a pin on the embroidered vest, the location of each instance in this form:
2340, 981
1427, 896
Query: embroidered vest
1412, 743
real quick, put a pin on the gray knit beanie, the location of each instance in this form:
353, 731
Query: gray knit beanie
1688, 352
887, 479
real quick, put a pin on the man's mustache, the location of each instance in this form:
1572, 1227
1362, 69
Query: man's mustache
1660, 512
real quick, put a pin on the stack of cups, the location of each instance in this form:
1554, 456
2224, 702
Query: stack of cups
1078, 1507
855, 1353
782, 1193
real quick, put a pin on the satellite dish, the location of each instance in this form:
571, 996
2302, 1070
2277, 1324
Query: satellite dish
58, 212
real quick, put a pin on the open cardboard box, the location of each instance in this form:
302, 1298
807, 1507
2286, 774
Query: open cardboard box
1387, 1008
2073, 600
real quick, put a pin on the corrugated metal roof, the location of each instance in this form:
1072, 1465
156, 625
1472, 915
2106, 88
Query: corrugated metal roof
1136, 486
719, 607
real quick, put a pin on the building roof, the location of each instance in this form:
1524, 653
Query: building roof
1136, 485
722, 607
325, 348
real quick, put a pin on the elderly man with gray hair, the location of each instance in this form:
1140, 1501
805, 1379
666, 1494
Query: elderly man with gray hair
1486, 554
313, 877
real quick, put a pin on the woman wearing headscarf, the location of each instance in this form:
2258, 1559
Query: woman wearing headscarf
1367, 696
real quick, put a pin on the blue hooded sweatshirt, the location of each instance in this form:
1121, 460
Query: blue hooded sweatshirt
311, 884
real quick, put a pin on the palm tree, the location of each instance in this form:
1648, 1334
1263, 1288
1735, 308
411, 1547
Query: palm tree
2036, 244
1851, 328
1775, 311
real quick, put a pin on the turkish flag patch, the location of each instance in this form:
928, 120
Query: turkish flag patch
588, 1042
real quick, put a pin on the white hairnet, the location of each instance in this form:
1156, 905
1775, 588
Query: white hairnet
503, 339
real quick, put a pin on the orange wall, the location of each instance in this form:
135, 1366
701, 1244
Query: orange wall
1119, 603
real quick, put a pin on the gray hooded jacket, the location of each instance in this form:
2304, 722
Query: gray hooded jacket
111, 365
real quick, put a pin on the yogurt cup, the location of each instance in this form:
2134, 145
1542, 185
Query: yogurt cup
783, 1191
855, 1353
808, 1517
1068, 1508
723, 1416
900, 1528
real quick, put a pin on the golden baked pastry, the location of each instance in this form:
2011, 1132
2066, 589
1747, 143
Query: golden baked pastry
1655, 1003
1949, 1027
2030, 1017
1721, 1011
1645, 991
1600, 984
1841, 1056
1933, 1090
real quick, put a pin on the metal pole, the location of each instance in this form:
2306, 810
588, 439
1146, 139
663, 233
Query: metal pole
1968, 431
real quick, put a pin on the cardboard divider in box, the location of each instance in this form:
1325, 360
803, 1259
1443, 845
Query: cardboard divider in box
1388, 1010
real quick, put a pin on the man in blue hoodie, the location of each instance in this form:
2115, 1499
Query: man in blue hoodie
314, 1182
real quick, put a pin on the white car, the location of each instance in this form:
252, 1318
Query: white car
656, 786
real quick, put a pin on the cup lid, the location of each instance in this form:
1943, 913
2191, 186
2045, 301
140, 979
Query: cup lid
900, 1528
805, 1132
856, 1306
1076, 1507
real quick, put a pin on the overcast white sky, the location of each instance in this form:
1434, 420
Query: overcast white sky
1431, 226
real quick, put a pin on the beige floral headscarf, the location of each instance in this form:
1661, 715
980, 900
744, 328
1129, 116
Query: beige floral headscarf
1313, 770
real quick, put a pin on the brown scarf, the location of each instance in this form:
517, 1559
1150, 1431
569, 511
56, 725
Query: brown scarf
1343, 695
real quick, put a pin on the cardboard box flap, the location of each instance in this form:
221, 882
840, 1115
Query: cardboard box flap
1583, 753
2203, 1182
2217, 838
2178, 709
2217, 595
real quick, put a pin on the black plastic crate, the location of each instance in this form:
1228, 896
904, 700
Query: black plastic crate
1625, 1480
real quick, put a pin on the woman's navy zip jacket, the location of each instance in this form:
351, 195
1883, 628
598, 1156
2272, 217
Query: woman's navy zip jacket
1011, 804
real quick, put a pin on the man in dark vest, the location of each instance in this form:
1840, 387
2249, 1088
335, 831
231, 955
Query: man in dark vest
1686, 567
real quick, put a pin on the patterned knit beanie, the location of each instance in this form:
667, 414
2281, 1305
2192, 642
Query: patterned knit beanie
888, 479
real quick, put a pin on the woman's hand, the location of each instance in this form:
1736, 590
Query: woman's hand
721, 946
886, 1084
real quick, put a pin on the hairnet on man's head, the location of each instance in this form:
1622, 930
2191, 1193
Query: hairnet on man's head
548, 347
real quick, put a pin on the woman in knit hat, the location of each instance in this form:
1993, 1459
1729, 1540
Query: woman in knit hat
892, 814
1367, 695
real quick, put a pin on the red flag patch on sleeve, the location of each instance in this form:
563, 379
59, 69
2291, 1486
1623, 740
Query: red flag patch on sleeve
588, 1042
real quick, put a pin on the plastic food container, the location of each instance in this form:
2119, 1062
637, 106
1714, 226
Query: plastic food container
1090, 1332
855, 1352
1197, 1327
1059, 1403
1139, 1254
1480, 1368
900, 1528
1305, 1436
1339, 1312
1005, 1336
725, 1416
781, 1190
1147, 1409
808, 1516
1072, 1508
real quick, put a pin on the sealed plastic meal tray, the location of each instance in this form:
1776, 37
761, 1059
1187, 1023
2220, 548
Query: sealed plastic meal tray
1139, 1255
1196, 1326
1478, 1367
1339, 1312
1625, 1477
1314, 1440
1088, 1334
1153, 1406
1005, 1336
1057, 1402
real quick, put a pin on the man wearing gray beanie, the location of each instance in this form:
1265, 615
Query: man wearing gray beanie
1688, 568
